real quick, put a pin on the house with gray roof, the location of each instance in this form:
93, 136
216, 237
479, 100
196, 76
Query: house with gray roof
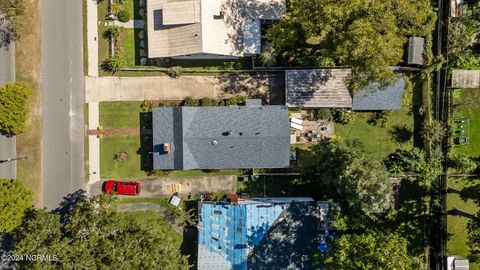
327, 88
186, 138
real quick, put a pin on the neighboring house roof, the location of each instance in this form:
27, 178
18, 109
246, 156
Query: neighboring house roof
465, 78
221, 137
326, 88
377, 98
221, 27
415, 50
317, 88
258, 233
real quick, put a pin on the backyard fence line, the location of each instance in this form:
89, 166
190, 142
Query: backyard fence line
199, 71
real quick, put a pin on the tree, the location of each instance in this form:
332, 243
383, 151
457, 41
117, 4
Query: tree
405, 161
368, 36
369, 250
15, 200
13, 108
94, 236
473, 238
10, 12
345, 173
268, 55
461, 162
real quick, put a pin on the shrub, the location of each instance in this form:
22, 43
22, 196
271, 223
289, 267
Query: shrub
123, 16
401, 134
379, 118
114, 63
191, 102
236, 100
112, 32
158, 173
343, 116
175, 71
405, 161
147, 106
209, 102
319, 114
461, 162
121, 156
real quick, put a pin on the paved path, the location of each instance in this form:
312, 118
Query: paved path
62, 99
166, 88
93, 146
92, 39
131, 24
7, 144
166, 186
127, 131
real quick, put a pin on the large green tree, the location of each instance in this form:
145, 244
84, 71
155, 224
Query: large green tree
369, 36
14, 99
346, 173
473, 238
15, 200
94, 236
369, 250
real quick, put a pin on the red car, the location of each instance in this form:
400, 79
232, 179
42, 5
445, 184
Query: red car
121, 188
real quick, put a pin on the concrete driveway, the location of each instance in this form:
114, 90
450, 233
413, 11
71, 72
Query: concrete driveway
99, 89
166, 186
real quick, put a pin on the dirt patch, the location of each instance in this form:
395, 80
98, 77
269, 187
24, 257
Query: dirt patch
28, 70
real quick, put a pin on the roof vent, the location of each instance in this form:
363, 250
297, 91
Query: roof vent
214, 142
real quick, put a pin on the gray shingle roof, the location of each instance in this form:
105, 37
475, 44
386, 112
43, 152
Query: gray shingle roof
317, 88
260, 137
376, 98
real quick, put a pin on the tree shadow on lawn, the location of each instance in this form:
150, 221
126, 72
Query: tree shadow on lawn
146, 142
189, 245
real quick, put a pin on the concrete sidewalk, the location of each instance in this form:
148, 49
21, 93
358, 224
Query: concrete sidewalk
92, 39
99, 89
93, 146
131, 24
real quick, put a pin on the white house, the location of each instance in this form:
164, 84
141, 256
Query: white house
208, 28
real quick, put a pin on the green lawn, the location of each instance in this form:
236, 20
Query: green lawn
155, 222
121, 115
136, 166
468, 101
457, 225
273, 186
377, 140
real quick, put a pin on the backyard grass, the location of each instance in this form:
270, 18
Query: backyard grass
457, 225
155, 222
136, 165
271, 186
468, 106
377, 140
120, 114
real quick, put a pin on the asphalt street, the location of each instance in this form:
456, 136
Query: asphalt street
7, 144
62, 99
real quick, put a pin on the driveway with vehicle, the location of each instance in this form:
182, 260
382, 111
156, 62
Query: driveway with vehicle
166, 186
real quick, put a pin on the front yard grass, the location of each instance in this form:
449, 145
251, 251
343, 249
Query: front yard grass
136, 165
467, 106
120, 114
377, 140
457, 225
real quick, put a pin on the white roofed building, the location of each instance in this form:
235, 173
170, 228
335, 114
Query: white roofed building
208, 28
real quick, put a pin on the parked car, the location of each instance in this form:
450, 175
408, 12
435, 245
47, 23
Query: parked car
121, 188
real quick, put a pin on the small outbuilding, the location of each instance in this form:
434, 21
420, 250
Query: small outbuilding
415, 50
465, 78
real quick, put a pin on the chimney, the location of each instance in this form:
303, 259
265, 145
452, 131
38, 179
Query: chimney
166, 148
